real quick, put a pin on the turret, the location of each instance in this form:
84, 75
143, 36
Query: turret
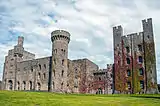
60, 40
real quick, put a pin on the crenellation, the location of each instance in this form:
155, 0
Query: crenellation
133, 71
135, 61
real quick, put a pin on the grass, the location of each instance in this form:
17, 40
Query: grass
16, 98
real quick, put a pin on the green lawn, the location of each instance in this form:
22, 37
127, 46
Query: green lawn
15, 98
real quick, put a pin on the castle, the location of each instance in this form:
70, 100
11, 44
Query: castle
55, 73
133, 71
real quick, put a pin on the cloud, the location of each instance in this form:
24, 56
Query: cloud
90, 23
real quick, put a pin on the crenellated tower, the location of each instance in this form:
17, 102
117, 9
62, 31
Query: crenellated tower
60, 40
149, 56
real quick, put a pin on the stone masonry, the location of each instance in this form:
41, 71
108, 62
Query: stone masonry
135, 61
54, 73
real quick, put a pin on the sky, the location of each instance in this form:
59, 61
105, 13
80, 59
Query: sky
89, 22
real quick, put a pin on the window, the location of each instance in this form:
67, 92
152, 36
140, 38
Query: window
24, 85
10, 84
18, 85
141, 71
45, 66
129, 85
111, 75
76, 71
148, 37
44, 75
31, 69
62, 73
62, 62
12, 59
54, 73
128, 72
128, 61
142, 84
30, 85
99, 78
62, 85
140, 47
39, 86
39, 66
140, 59
127, 49
39, 75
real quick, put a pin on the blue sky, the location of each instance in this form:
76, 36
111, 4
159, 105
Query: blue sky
90, 23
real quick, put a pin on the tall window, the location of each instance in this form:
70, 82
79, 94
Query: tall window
39, 75
54, 73
128, 72
63, 62
128, 61
24, 85
127, 49
39, 66
18, 84
45, 66
62, 85
141, 71
44, 75
140, 47
10, 84
142, 84
30, 85
62, 73
129, 85
140, 59
39, 86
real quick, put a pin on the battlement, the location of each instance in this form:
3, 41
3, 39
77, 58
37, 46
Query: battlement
60, 35
147, 20
117, 28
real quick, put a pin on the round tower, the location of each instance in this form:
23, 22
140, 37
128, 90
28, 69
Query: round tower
60, 40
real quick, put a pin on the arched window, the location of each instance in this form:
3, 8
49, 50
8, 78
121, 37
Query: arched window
45, 66
10, 84
39, 86
128, 72
127, 49
44, 75
18, 85
128, 61
141, 71
54, 73
24, 85
39, 75
30, 85
140, 59
62, 73
63, 62
39, 66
